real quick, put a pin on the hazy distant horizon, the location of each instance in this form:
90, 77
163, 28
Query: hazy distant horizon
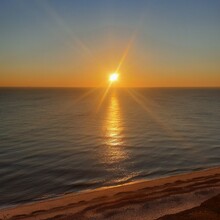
103, 87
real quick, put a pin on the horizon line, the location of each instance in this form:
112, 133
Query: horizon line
122, 87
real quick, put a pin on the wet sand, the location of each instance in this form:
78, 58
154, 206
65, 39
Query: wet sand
208, 210
186, 196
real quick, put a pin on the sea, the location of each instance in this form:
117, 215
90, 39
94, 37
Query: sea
55, 141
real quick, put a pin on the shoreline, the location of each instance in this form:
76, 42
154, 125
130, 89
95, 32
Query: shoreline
169, 195
60, 196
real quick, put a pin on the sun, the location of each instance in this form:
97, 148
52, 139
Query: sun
113, 77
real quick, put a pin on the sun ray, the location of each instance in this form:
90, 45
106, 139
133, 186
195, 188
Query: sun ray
103, 97
85, 95
139, 100
130, 43
126, 51
73, 36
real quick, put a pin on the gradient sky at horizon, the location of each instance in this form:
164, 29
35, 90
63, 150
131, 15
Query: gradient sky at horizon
78, 43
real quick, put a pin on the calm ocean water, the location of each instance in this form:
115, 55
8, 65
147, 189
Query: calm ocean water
57, 141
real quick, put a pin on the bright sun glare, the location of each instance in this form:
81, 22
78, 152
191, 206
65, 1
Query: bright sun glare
113, 77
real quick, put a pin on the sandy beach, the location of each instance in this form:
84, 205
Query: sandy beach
175, 197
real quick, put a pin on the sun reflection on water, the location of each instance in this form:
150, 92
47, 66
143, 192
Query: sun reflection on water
113, 129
